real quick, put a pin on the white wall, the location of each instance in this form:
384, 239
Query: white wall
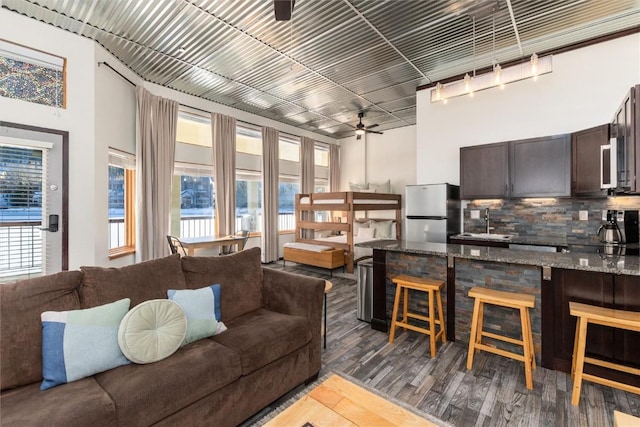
78, 119
378, 158
584, 90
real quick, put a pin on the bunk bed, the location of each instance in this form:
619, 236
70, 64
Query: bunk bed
327, 227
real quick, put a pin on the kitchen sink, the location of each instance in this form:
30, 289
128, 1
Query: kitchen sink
487, 236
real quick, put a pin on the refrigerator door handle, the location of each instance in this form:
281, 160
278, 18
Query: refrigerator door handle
425, 217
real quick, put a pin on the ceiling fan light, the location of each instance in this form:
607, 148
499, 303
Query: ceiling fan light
359, 131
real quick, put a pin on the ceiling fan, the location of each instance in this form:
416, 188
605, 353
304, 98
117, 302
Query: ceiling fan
283, 9
361, 129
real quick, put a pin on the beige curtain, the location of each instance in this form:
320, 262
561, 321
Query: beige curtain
270, 187
307, 177
157, 119
224, 164
334, 167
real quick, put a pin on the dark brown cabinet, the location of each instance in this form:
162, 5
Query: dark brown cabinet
484, 171
537, 167
625, 128
540, 167
558, 326
585, 150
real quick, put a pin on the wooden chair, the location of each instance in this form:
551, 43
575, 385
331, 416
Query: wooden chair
174, 244
514, 300
432, 288
613, 318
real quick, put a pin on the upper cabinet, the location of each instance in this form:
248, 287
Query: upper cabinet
541, 167
484, 171
586, 159
625, 129
538, 167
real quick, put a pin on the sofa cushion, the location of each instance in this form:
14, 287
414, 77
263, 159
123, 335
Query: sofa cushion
81, 403
263, 336
79, 343
152, 331
145, 394
20, 325
239, 276
199, 306
139, 282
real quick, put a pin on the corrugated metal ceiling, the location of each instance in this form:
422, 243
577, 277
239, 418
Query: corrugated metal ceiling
334, 58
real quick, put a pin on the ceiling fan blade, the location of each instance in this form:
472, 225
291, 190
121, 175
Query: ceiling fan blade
374, 131
283, 9
372, 126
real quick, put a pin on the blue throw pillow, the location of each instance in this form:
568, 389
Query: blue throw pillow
80, 343
202, 308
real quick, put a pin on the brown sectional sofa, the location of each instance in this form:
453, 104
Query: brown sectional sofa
271, 346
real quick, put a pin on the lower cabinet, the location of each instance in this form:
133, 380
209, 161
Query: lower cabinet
558, 326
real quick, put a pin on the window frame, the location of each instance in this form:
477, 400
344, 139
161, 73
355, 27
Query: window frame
129, 203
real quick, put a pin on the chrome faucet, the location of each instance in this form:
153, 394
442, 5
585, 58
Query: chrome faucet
486, 219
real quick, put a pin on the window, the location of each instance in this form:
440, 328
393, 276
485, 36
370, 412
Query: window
321, 155
193, 129
193, 208
249, 141
248, 179
289, 183
121, 203
31, 75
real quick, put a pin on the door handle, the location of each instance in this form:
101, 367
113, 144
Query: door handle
53, 224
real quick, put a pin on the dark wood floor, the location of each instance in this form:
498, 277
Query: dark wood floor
493, 393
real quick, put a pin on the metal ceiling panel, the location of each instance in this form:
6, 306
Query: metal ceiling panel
334, 58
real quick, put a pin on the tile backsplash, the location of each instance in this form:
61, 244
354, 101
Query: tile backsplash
557, 218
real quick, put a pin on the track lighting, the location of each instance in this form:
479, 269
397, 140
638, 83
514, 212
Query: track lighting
498, 77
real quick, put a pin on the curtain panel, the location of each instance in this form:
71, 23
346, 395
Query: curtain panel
270, 187
157, 120
307, 178
334, 167
223, 129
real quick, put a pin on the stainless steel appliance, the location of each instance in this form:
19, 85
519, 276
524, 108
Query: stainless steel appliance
432, 212
609, 232
365, 291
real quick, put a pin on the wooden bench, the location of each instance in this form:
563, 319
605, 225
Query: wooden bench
330, 259
586, 314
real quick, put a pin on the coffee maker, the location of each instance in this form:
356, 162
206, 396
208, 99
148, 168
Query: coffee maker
628, 225
609, 232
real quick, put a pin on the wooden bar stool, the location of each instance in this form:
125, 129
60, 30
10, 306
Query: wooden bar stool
586, 314
517, 301
432, 288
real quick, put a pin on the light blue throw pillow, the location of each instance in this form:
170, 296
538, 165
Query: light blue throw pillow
202, 308
80, 343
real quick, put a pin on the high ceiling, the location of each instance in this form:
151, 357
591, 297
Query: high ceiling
335, 57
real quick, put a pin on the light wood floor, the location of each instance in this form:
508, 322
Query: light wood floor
493, 393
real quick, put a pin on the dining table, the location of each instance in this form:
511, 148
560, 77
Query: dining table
190, 244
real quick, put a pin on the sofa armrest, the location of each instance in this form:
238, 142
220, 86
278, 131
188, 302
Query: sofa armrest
297, 295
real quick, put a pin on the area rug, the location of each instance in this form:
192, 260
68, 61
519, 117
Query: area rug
282, 404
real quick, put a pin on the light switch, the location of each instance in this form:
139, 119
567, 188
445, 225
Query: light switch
475, 214
584, 215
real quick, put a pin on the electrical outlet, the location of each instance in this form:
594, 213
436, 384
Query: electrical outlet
475, 252
584, 215
584, 262
475, 214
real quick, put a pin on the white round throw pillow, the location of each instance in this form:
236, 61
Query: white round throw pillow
152, 331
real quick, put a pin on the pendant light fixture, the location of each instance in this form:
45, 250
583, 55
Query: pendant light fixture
497, 77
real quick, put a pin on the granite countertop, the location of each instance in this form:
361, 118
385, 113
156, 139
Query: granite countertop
629, 265
521, 240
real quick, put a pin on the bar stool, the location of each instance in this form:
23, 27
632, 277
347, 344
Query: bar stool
586, 314
517, 301
432, 288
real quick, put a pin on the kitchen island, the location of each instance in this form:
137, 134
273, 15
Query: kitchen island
553, 278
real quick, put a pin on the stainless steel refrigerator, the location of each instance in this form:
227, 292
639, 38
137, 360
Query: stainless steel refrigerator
432, 212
